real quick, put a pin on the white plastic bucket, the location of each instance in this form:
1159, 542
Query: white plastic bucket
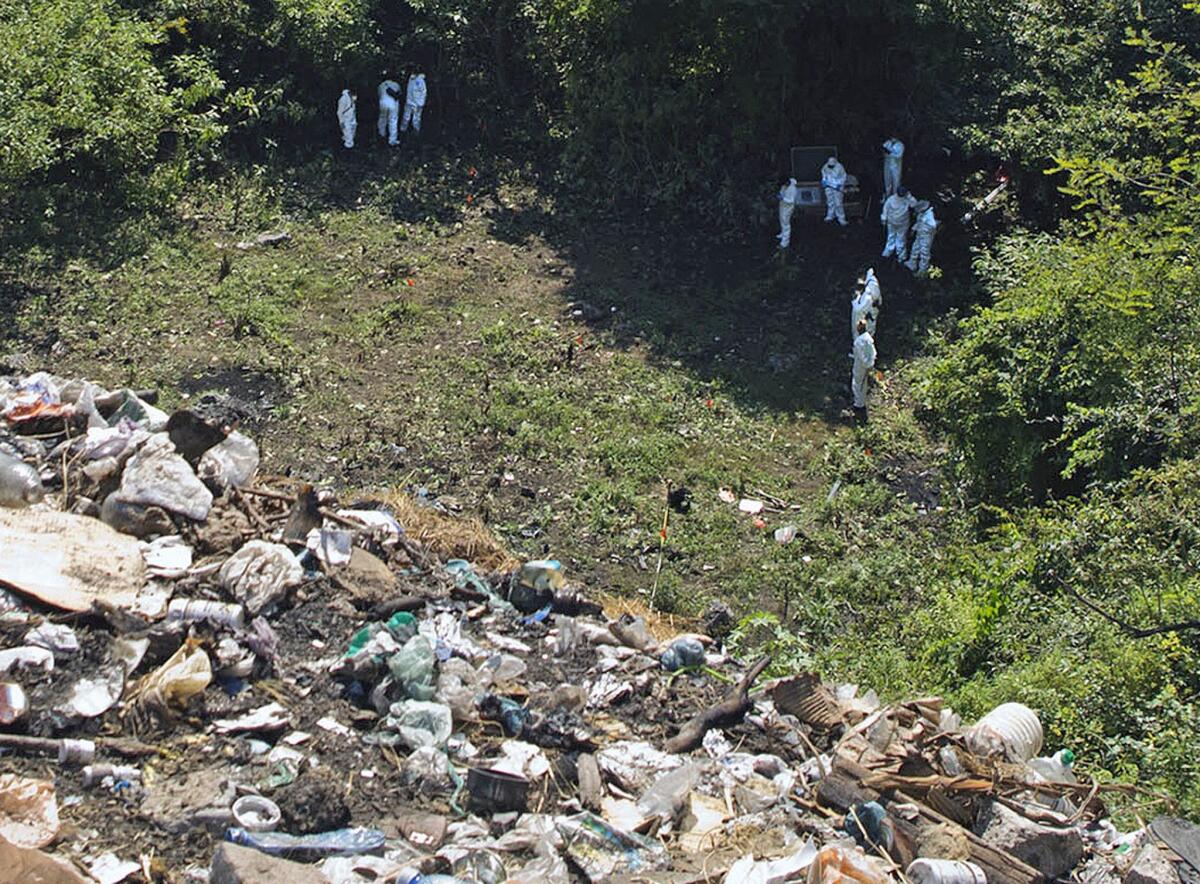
1011, 730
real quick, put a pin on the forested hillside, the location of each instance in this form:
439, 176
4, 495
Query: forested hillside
1041, 384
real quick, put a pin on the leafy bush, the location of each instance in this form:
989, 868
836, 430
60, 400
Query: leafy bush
80, 93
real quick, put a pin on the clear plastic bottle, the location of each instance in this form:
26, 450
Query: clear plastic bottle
1055, 769
20, 484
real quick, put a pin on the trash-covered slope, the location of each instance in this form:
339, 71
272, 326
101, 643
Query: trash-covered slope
207, 670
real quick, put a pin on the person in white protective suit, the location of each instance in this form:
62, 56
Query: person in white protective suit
865, 304
893, 161
787, 205
414, 102
833, 180
895, 217
864, 361
347, 114
389, 111
924, 229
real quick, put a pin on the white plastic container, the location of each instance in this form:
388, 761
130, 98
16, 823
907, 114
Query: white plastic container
1011, 730
256, 814
944, 871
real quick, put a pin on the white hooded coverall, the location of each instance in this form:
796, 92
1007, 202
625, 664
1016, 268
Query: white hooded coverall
923, 232
787, 205
864, 361
347, 115
862, 307
866, 305
893, 161
389, 111
414, 102
833, 180
895, 215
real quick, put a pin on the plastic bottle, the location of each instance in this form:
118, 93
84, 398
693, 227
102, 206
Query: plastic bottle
944, 871
189, 610
1011, 730
20, 485
76, 751
339, 842
94, 773
1055, 769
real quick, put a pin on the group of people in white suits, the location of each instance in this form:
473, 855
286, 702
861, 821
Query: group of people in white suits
391, 121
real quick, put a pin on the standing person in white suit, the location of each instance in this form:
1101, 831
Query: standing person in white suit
894, 215
833, 181
865, 304
347, 114
787, 205
893, 162
924, 229
389, 111
414, 102
864, 361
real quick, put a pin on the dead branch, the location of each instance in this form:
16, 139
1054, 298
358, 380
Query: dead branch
730, 711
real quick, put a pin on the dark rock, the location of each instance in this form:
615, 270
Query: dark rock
134, 519
1051, 851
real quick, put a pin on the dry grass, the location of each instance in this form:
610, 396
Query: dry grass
661, 625
450, 537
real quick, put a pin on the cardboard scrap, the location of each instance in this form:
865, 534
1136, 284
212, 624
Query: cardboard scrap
69, 561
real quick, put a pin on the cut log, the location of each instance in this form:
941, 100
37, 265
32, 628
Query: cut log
731, 710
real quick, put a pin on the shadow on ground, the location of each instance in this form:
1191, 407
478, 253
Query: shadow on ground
767, 329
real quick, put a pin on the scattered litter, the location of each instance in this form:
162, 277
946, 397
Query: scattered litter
272, 717
108, 868
487, 718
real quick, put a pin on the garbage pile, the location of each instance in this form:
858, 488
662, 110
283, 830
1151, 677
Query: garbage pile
212, 675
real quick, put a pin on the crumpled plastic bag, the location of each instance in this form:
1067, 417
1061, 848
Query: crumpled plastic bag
420, 724
186, 674
412, 667
28, 811
231, 462
157, 475
260, 573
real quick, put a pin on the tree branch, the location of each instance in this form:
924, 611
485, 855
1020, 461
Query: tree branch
1126, 627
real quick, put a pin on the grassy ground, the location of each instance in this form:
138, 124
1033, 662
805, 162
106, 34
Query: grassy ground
462, 324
